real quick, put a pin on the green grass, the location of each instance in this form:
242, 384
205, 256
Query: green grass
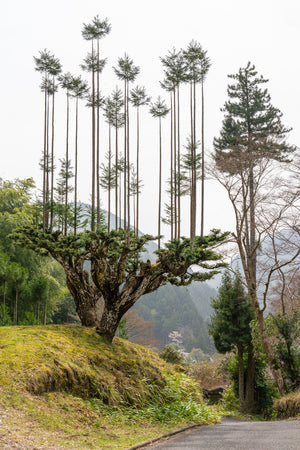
71, 389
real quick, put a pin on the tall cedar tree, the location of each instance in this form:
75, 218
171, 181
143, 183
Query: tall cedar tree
230, 329
175, 74
95, 31
127, 72
251, 132
116, 119
159, 109
66, 82
138, 98
49, 66
198, 64
79, 90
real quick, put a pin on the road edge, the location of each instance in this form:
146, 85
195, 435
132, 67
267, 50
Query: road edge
166, 435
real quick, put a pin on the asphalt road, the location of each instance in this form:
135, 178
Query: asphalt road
234, 434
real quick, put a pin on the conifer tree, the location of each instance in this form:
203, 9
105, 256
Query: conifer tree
79, 90
138, 98
66, 82
95, 31
175, 74
198, 64
49, 66
127, 72
159, 109
63, 209
230, 326
116, 119
252, 136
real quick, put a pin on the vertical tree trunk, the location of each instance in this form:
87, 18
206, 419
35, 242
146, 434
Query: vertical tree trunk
98, 141
192, 156
76, 169
47, 168
45, 314
128, 158
52, 160
178, 164
93, 146
38, 310
109, 322
67, 170
125, 159
273, 364
109, 178
202, 160
171, 171
137, 168
16, 307
175, 165
4, 300
44, 154
249, 396
194, 207
116, 177
159, 184
241, 379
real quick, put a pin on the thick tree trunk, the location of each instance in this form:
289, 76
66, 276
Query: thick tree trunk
276, 372
249, 396
241, 379
108, 323
87, 300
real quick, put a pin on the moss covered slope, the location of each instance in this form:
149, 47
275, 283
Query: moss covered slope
74, 390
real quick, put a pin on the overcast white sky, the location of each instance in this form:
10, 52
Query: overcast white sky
265, 32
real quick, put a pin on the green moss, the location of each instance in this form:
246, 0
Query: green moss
79, 390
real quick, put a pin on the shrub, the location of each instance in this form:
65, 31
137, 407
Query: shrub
170, 354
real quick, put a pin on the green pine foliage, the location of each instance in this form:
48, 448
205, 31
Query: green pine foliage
230, 322
252, 126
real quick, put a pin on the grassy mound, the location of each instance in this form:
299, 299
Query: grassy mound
288, 406
72, 389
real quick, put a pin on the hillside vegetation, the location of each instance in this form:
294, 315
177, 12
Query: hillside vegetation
64, 387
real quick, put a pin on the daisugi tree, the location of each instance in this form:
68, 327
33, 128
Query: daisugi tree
104, 268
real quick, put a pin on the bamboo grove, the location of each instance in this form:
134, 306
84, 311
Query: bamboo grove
115, 174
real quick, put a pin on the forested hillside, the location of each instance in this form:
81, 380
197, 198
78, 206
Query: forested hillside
173, 309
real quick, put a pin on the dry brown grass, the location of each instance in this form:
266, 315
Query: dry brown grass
288, 406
